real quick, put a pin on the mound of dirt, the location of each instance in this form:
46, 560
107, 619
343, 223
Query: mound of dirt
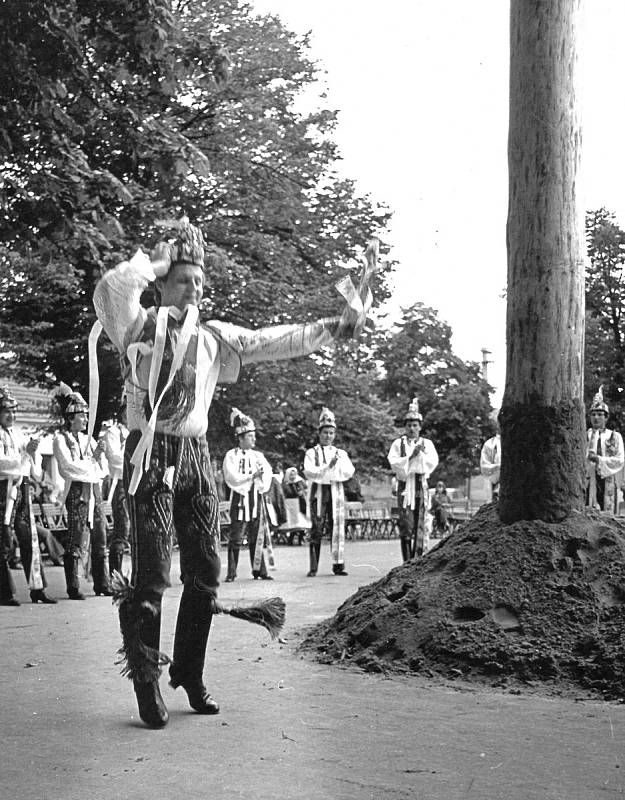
534, 602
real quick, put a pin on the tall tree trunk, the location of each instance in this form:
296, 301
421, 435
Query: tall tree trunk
542, 416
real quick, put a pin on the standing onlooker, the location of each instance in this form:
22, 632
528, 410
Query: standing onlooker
413, 459
248, 474
605, 458
327, 468
490, 458
114, 440
18, 464
81, 465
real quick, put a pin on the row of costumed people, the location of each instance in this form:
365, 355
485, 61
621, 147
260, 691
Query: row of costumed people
248, 475
84, 466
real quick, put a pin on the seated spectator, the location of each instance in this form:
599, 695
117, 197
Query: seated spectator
294, 486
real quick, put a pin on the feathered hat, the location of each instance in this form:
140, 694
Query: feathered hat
598, 403
413, 411
241, 423
326, 419
187, 246
70, 401
7, 401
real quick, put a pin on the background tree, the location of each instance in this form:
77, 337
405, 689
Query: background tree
605, 304
418, 361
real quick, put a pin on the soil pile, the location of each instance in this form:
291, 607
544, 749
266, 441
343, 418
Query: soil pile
531, 601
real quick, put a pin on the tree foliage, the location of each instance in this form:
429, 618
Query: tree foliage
605, 309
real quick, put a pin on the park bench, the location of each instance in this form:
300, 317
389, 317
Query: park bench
373, 519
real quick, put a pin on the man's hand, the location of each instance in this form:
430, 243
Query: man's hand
593, 457
32, 447
419, 448
258, 473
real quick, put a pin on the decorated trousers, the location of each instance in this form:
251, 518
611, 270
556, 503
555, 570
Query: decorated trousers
20, 523
322, 524
120, 536
80, 535
176, 493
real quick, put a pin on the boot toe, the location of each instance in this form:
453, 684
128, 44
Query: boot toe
200, 700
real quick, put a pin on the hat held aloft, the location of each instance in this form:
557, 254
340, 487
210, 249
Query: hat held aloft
326, 419
241, 423
7, 401
186, 248
598, 403
413, 411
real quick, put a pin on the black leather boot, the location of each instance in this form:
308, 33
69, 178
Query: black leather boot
152, 709
314, 561
99, 571
39, 596
195, 615
70, 566
7, 585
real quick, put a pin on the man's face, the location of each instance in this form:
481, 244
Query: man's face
413, 428
247, 440
7, 417
326, 436
78, 421
183, 286
598, 420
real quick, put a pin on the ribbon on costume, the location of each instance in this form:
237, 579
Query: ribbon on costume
94, 376
263, 539
359, 300
338, 522
35, 581
141, 457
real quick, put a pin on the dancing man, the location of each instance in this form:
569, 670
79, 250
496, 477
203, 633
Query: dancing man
172, 364
327, 468
412, 458
248, 475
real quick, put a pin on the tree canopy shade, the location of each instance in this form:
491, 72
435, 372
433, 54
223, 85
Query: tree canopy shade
114, 116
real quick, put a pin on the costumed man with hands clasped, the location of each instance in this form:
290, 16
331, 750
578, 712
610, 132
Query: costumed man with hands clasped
605, 458
327, 468
412, 458
172, 363
248, 474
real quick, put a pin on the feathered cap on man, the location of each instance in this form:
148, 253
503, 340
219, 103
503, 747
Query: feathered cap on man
7, 401
326, 419
413, 411
598, 403
70, 401
241, 423
187, 247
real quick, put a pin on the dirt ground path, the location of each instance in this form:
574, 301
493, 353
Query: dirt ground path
288, 728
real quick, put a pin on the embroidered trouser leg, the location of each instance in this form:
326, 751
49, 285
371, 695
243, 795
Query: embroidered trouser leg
190, 505
321, 524
236, 537
252, 537
77, 536
23, 531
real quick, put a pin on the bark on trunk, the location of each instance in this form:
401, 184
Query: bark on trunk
542, 416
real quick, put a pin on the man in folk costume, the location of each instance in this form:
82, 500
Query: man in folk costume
605, 458
248, 475
114, 441
19, 462
82, 466
172, 364
490, 458
412, 458
327, 468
